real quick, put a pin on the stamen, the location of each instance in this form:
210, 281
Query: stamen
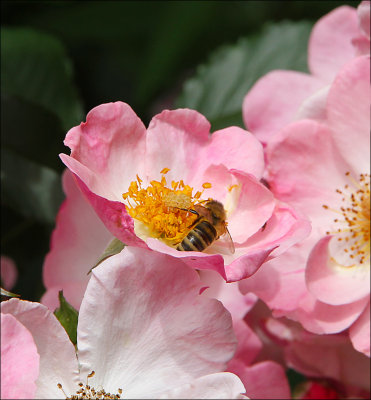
89, 392
163, 208
354, 231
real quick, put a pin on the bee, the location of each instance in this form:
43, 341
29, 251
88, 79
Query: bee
208, 227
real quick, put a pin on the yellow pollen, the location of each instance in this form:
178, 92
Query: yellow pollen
89, 392
164, 208
355, 221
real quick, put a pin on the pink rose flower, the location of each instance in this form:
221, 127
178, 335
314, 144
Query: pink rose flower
142, 182
277, 98
144, 329
322, 168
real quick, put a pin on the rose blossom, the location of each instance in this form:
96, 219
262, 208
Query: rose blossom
144, 330
278, 97
322, 168
142, 182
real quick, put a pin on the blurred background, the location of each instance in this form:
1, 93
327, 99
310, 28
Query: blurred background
60, 59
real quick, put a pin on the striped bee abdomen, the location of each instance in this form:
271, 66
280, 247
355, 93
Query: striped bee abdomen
199, 238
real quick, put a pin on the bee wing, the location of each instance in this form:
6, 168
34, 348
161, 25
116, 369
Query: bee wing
229, 241
224, 245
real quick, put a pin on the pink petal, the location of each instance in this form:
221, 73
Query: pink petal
305, 168
339, 360
174, 139
222, 385
114, 216
181, 140
78, 240
363, 12
9, 273
335, 284
247, 264
19, 360
318, 317
359, 332
108, 149
285, 228
236, 149
254, 207
348, 110
73, 292
314, 107
279, 282
248, 347
58, 361
330, 45
228, 293
162, 333
264, 380
274, 100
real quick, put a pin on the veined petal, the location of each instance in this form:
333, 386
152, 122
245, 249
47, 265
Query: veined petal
222, 385
153, 331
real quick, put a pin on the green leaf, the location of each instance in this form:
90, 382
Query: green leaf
35, 67
219, 86
114, 247
8, 294
31, 189
68, 317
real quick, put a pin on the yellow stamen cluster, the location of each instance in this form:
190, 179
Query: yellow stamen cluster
356, 217
163, 209
88, 392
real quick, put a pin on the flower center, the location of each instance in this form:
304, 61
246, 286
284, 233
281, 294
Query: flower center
164, 210
89, 392
353, 232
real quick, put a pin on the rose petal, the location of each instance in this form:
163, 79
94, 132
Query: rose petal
228, 293
305, 168
274, 100
19, 360
332, 283
330, 44
222, 385
108, 149
279, 282
264, 380
363, 12
318, 317
58, 363
78, 240
348, 111
359, 332
73, 292
160, 327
